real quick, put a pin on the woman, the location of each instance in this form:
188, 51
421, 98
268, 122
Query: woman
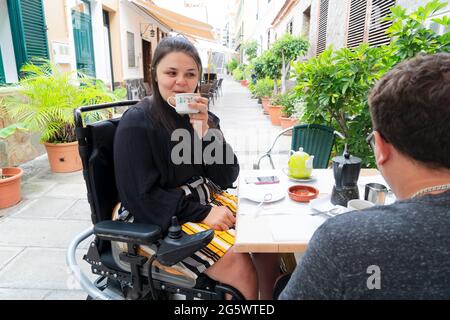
154, 186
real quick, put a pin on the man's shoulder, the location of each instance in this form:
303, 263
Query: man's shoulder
355, 225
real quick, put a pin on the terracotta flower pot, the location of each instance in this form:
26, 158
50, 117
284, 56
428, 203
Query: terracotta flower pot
10, 187
286, 123
244, 83
275, 113
265, 103
63, 157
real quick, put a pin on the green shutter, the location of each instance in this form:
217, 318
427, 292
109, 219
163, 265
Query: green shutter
2, 71
28, 29
84, 43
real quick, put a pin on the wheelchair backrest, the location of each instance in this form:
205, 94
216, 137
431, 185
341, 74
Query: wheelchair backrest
98, 168
96, 147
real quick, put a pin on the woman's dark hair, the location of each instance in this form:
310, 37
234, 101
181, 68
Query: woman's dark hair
410, 107
166, 46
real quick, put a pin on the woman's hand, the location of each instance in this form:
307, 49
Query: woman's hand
200, 120
220, 218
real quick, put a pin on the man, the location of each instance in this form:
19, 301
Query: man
400, 251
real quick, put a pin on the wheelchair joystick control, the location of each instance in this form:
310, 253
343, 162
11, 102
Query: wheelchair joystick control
175, 229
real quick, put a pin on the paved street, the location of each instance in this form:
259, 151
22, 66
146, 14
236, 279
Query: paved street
34, 234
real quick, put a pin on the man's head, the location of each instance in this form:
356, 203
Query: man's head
410, 109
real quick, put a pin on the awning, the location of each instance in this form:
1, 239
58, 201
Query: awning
177, 22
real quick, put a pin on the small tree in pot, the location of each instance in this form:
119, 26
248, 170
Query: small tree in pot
263, 89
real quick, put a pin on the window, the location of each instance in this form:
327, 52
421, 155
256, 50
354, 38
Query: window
2, 71
260, 49
29, 31
306, 22
356, 23
323, 21
366, 22
131, 51
377, 28
289, 27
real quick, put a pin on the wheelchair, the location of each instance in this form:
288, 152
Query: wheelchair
115, 254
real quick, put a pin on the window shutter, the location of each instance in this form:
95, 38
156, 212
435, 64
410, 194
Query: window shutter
323, 20
131, 51
377, 28
356, 23
28, 29
2, 71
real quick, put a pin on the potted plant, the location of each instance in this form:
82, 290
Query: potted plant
10, 177
263, 89
45, 103
275, 109
288, 111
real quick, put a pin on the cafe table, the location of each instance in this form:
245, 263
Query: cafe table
284, 225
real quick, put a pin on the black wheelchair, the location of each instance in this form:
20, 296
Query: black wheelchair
114, 253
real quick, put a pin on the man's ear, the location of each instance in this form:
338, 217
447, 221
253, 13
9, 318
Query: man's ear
382, 149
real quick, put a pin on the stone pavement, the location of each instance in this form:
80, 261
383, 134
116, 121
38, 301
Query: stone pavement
35, 234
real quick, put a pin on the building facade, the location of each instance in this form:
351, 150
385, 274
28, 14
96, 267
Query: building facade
336, 23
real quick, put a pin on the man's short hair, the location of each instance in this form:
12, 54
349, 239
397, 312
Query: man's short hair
410, 108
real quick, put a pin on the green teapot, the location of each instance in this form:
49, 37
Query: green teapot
300, 164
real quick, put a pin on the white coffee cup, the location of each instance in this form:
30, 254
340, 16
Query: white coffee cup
359, 204
181, 101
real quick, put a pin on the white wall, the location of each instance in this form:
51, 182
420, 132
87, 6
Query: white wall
101, 67
131, 19
267, 12
8, 57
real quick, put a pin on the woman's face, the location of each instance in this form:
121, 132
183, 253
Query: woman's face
176, 73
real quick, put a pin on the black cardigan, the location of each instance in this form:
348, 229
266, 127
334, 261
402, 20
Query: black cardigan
147, 179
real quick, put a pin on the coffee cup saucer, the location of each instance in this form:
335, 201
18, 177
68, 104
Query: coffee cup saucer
286, 172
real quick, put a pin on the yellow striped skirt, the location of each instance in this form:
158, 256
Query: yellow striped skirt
201, 260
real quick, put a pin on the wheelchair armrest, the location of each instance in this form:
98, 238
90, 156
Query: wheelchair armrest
173, 251
137, 233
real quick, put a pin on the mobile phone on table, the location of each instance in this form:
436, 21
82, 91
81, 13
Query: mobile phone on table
262, 180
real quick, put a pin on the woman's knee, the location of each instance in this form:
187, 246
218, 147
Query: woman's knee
234, 265
243, 266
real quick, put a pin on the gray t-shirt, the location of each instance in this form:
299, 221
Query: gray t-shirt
400, 251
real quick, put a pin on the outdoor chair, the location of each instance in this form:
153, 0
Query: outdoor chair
115, 253
315, 139
205, 91
219, 86
213, 90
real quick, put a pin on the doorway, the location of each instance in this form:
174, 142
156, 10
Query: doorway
146, 64
82, 29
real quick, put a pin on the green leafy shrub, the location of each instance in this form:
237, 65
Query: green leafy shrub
47, 97
335, 87
264, 88
250, 49
287, 49
409, 34
238, 74
231, 65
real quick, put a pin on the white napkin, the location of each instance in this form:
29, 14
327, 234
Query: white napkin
294, 228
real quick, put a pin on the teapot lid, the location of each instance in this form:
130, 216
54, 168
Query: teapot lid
300, 150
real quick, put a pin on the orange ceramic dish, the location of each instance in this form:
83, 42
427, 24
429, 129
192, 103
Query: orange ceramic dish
303, 193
